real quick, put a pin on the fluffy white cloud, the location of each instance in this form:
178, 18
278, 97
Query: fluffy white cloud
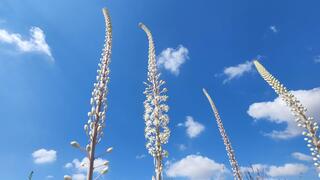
254, 168
81, 166
196, 167
68, 165
194, 128
36, 43
237, 71
274, 29
301, 156
171, 59
78, 176
287, 170
43, 156
276, 111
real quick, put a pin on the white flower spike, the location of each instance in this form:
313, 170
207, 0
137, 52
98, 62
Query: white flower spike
297, 109
232, 157
156, 119
98, 101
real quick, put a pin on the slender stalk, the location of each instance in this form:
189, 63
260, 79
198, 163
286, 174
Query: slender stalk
98, 101
299, 111
232, 158
96, 123
156, 119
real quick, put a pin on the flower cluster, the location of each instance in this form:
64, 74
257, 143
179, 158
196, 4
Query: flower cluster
232, 158
298, 110
97, 115
155, 116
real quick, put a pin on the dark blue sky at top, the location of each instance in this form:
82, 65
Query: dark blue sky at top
44, 104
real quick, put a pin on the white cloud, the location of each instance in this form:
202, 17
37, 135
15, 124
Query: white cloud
301, 156
274, 29
194, 128
68, 165
78, 176
81, 166
36, 43
237, 71
254, 168
43, 156
141, 156
276, 111
171, 59
49, 177
196, 167
287, 170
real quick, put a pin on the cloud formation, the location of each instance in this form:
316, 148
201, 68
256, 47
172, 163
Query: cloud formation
36, 43
194, 128
43, 156
78, 176
237, 71
81, 166
288, 169
172, 59
277, 112
301, 156
196, 167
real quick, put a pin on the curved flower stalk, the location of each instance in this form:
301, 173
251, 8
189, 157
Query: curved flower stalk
156, 119
97, 115
298, 110
232, 158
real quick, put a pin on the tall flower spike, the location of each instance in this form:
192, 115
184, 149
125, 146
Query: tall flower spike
97, 115
298, 110
232, 158
156, 119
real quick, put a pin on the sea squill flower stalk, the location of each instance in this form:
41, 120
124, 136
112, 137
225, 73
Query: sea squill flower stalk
298, 110
232, 158
97, 115
156, 119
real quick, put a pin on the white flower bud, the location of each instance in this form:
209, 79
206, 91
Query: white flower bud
75, 144
109, 150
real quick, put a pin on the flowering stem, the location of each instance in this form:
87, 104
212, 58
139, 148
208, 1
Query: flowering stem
299, 111
156, 119
100, 94
226, 141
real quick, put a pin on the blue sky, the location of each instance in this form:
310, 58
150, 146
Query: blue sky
46, 83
